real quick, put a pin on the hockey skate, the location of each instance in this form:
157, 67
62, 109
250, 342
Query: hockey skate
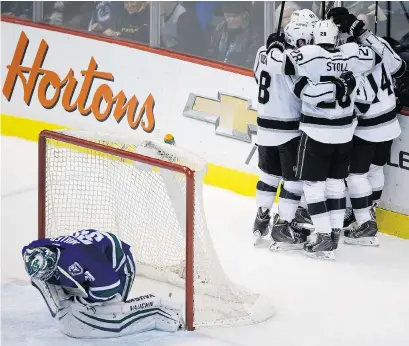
335, 235
285, 238
302, 221
321, 248
349, 220
261, 224
365, 235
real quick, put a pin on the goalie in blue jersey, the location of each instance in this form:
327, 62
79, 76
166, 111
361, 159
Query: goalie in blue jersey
85, 279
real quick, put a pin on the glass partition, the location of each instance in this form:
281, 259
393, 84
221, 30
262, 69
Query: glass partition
225, 31
20, 9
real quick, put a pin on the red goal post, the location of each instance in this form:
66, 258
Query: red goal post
122, 181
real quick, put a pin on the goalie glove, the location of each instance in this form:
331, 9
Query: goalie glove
345, 85
275, 40
348, 23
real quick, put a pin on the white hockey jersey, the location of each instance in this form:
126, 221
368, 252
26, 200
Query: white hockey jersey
379, 122
279, 104
332, 121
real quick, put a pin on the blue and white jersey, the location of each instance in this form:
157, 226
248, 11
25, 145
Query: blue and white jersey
97, 264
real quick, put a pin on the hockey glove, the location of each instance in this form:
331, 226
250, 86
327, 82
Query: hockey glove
336, 12
350, 24
275, 40
345, 85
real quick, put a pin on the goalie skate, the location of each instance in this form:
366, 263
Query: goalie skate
285, 238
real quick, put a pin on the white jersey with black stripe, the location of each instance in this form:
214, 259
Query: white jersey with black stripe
279, 104
378, 121
332, 121
279, 110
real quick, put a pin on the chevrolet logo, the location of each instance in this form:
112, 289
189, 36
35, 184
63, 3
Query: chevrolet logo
233, 116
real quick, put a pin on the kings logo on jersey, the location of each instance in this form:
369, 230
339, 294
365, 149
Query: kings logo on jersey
75, 269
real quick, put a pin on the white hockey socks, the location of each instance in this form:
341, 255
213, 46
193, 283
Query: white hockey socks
360, 192
376, 178
335, 193
290, 196
317, 205
266, 190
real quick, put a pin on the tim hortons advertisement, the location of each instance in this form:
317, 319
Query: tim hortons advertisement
51, 88
99, 86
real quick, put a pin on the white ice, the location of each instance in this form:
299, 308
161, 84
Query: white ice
361, 299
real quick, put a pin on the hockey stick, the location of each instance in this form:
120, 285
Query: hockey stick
323, 10
252, 151
280, 19
404, 10
376, 17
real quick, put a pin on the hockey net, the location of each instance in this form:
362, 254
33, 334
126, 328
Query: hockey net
149, 194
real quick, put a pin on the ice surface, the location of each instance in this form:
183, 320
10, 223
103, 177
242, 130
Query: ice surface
361, 299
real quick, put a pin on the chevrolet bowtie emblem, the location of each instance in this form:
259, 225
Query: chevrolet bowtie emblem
233, 116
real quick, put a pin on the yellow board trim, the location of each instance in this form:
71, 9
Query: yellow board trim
227, 178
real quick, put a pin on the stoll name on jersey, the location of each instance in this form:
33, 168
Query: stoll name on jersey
337, 66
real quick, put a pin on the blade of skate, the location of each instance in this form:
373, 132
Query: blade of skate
321, 255
280, 247
364, 241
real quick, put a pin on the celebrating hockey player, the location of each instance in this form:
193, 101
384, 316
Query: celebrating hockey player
85, 280
327, 128
278, 138
377, 127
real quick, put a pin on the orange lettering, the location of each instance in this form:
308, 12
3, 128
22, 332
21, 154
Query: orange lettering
51, 87
103, 93
69, 92
147, 108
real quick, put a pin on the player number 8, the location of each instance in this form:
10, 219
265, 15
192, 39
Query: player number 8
263, 94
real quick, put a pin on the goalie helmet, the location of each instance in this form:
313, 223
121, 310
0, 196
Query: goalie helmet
41, 262
304, 15
298, 34
326, 32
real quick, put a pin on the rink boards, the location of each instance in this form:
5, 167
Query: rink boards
54, 80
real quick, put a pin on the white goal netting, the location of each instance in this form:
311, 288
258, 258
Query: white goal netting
146, 207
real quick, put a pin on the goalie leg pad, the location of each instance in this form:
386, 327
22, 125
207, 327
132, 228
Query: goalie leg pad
106, 320
53, 296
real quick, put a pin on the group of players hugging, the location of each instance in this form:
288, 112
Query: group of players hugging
326, 122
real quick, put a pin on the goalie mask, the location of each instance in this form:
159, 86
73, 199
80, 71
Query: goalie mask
326, 32
41, 262
298, 34
304, 15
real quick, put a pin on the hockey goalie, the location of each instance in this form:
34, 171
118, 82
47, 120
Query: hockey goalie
85, 280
